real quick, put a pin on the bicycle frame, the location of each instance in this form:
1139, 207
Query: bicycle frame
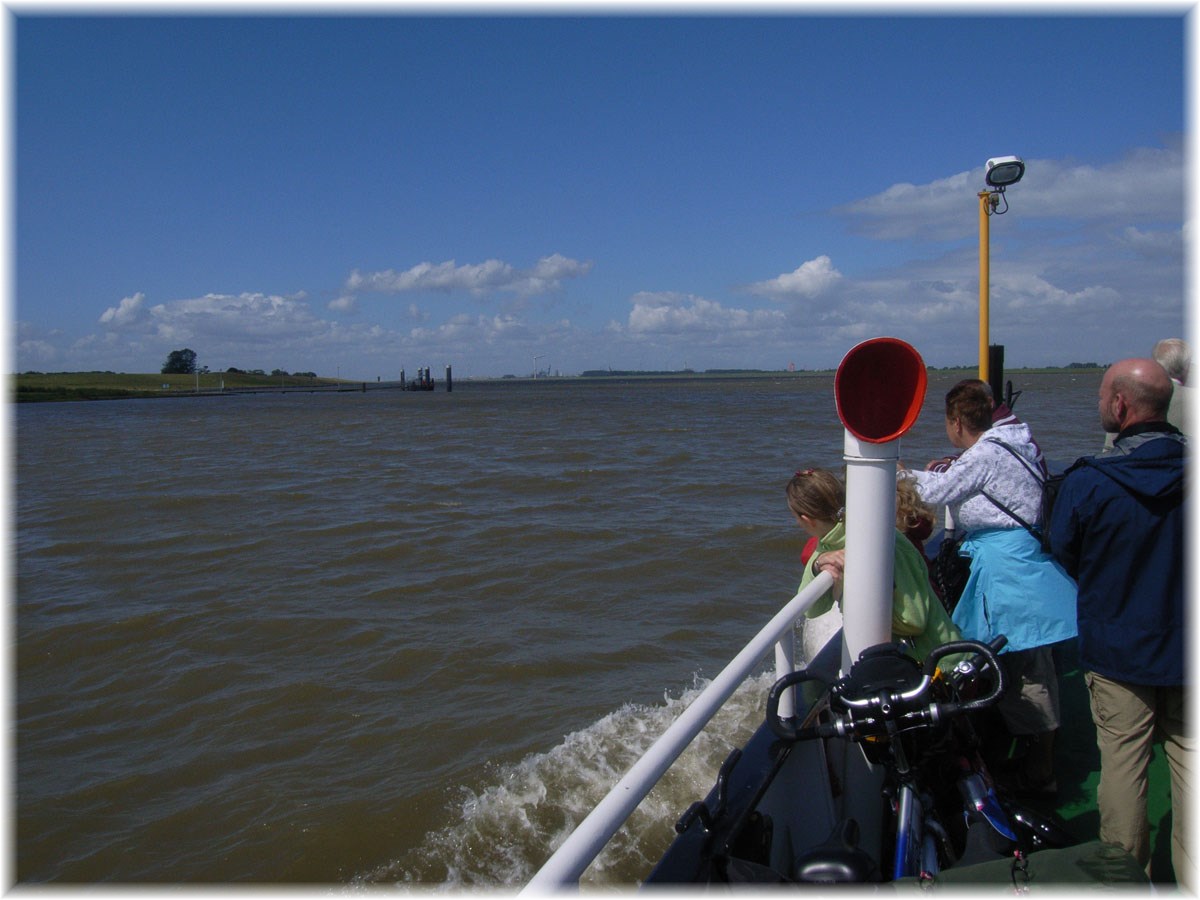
909, 858
916, 851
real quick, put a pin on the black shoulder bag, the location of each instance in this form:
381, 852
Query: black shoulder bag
950, 573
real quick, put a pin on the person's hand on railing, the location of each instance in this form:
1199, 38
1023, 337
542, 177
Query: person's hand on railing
833, 562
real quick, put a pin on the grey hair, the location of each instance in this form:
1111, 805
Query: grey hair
1174, 355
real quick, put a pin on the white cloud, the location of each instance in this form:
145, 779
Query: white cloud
941, 209
1146, 186
811, 279
1025, 294
1154, 244
34, 353
670, 313
128, 311
446, 276
484, 329
250, 330
549, 273
241, 318
476, 278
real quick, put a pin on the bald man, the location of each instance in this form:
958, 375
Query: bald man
1118, 529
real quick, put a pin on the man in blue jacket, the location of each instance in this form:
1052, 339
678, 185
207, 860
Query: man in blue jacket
1117, 527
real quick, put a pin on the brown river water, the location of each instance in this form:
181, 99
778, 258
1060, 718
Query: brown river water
400, 638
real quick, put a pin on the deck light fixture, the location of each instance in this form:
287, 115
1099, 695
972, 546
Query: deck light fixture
1000, 172
1003, 171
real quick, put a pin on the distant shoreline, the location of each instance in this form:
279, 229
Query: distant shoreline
35, 387
64, 386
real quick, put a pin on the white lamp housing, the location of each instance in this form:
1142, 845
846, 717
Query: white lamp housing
1002, 171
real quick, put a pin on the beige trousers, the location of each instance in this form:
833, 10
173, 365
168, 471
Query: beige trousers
1128, 719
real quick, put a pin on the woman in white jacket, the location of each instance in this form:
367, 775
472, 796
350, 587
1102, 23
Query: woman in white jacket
1015, 589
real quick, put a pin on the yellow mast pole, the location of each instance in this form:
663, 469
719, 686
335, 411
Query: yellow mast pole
984, 200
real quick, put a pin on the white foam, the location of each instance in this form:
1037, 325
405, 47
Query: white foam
503, 833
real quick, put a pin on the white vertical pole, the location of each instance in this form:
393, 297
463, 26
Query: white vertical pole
870, 544
785, 664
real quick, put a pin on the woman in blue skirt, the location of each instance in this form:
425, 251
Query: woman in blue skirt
1015, 589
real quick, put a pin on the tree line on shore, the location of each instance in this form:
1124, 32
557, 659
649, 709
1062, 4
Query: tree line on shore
184, 362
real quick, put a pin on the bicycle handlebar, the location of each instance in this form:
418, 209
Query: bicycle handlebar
872, 713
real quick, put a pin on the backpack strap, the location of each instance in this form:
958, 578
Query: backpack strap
1012, 515
1022, 460
1030, 469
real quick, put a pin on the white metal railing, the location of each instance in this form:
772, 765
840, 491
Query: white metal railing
569, 861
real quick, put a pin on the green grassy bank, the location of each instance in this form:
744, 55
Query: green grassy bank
119, 386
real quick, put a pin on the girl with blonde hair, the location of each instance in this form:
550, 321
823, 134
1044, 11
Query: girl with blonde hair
817, 498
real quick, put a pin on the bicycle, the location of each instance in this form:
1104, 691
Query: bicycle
914, 722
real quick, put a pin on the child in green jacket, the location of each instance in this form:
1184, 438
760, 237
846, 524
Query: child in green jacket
817, 498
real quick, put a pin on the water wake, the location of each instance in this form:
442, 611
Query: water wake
501, 834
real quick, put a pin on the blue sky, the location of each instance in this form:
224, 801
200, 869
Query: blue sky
357, 195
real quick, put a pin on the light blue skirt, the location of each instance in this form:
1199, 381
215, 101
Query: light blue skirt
1016, 590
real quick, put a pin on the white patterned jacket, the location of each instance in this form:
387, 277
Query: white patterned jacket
989, 467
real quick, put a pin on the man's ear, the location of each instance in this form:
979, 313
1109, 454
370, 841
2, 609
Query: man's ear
1120, 409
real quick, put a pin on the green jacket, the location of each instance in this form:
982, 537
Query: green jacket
917, 614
